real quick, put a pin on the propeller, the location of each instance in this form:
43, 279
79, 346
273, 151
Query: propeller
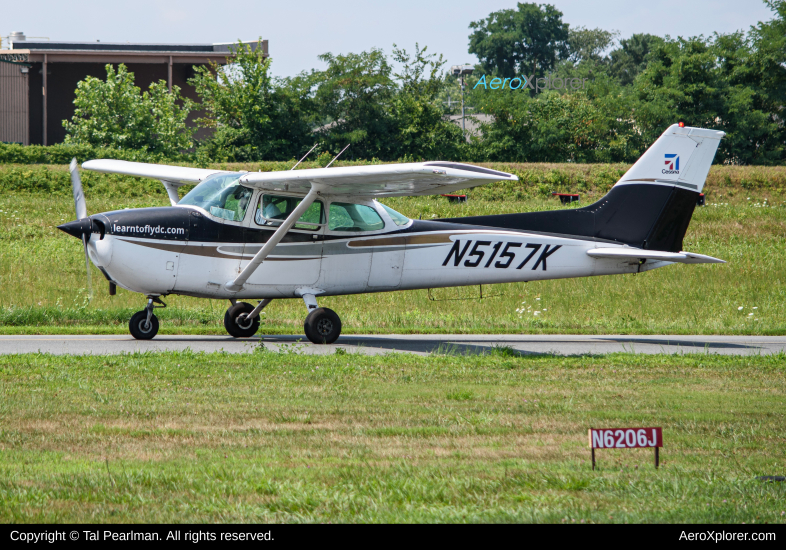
81, 214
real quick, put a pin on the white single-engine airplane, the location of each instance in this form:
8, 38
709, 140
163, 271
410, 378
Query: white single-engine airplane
321, 232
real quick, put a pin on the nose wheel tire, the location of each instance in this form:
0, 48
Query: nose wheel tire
140, 328
322, 326
236, 323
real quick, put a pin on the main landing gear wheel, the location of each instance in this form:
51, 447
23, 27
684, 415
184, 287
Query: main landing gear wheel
140, 328
322, 326
236, 323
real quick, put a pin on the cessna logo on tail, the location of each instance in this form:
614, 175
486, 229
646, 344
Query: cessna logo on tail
672, 164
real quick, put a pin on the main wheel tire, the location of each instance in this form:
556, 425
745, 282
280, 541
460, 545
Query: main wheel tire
322, 326
139, 327
235, 321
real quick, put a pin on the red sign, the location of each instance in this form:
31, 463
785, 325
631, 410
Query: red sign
625, 438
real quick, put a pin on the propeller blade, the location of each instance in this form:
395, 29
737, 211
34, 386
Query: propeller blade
87, 269
81, 213
79, 196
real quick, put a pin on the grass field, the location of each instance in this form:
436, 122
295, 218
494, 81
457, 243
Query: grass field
283, 437
42, 281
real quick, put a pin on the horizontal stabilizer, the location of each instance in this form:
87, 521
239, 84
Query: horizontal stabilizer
640, 254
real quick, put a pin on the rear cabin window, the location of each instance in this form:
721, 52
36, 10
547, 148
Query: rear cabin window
274, 209
397, 217
353, 217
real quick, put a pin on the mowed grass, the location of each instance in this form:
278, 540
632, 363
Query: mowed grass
43, 286
283, 437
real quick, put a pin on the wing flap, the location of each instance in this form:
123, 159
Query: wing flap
640, 254
177, 175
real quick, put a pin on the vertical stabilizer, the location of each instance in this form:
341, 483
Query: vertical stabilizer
680, 157
649, 208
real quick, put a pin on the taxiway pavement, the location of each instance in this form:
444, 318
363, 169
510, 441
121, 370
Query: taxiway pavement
393, 343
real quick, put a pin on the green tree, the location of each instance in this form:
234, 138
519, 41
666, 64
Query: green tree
254, 115
557, 128
116, 113
588, 45
353, 96
768, 42
586, 60
422, 130
713, 84
630, 58
528, 40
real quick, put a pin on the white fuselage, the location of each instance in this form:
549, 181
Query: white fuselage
331, 263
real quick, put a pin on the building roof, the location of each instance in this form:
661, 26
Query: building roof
38, 46
120, 52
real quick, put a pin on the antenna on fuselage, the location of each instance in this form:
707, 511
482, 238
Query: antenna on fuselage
304, 156
334, 158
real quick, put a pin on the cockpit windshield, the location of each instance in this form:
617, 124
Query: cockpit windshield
222, 196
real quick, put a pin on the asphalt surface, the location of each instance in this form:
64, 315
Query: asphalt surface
391, 343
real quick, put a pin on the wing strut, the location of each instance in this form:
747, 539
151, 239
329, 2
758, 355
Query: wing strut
171, 190
237, 284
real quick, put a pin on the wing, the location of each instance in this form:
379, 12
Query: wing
176, 175
637, 253
391, 180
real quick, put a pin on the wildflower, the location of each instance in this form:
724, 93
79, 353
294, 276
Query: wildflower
750, 314
739, 308
537, 313
755, 308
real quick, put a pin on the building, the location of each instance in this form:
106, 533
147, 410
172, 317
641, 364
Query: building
472, 122
38, 78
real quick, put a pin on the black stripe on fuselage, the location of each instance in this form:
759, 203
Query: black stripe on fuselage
641, 215
646, 216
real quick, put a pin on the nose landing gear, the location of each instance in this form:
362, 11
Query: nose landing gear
143, 324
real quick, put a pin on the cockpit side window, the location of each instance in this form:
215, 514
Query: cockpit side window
353, 217
274, 209
222, 196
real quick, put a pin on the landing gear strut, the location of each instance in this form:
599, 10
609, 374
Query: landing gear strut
143, 324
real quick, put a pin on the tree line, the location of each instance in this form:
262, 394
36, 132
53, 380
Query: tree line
398, 107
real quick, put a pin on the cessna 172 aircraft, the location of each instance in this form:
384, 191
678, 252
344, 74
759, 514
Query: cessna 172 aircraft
321, 232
